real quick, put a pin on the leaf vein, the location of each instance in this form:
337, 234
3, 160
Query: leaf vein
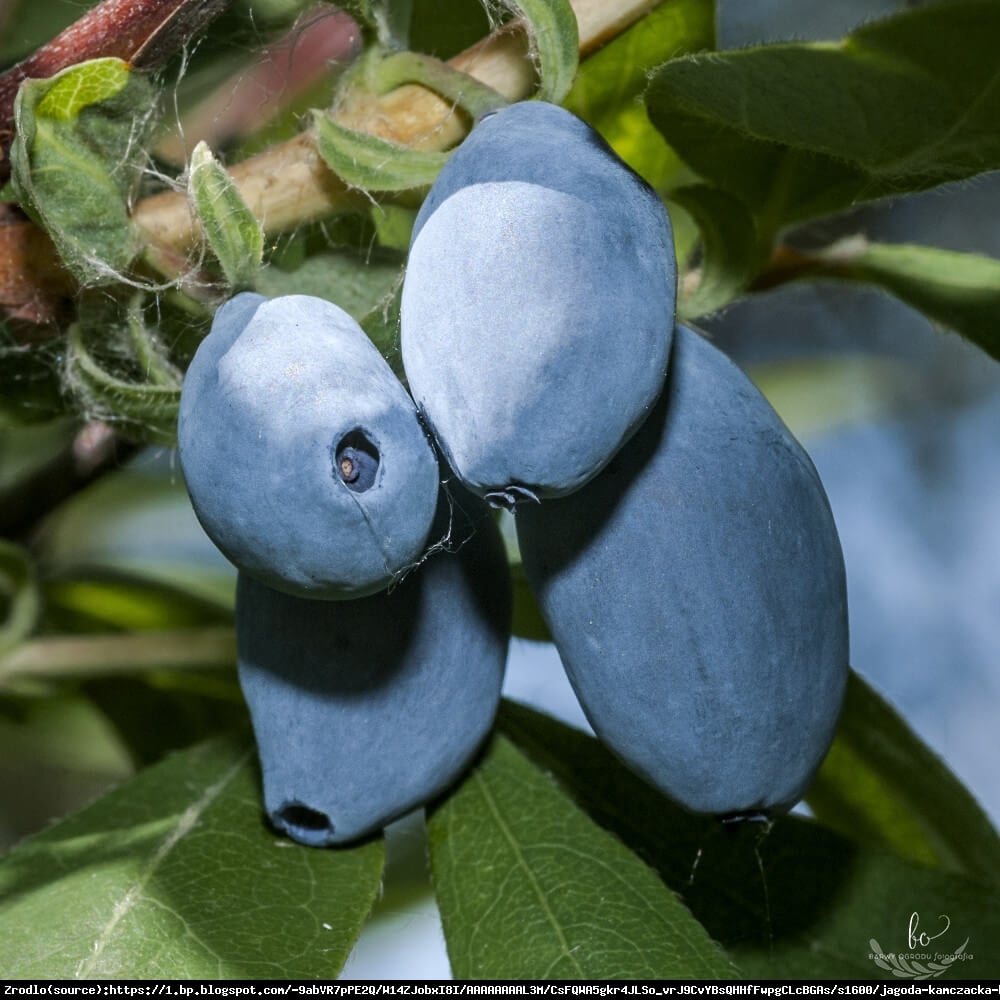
532, 879
186, 822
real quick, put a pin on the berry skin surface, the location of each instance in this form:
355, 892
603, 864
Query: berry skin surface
696, 593
538, 304
303, 454
366, 709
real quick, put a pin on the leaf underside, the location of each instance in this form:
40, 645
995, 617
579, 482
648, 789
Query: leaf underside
803, 130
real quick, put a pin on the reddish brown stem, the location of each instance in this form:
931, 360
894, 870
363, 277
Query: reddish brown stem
33, 284
786, 264
143, 32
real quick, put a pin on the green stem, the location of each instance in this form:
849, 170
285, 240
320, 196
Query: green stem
463, 90
128, 653
158, 370
139, 402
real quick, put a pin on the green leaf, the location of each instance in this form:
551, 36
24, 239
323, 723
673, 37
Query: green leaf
798, 131
233, 233
76, 158
367, 288
446, 27
355, 284
530, 888
958, 290
790, 900
57, 754
155, 714
131, 553
381, 323
19, 603
370, 163
175, 875
729, 255
67, 94
881, 784
610, 78
555, 43
97, 598
394, 227
609, 81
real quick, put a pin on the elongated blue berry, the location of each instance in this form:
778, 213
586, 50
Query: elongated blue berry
368, 708
696, 593
303, 454
538, 304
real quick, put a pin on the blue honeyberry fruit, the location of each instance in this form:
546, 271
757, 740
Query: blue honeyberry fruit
538, 304
696, 593
304, 456
366, 709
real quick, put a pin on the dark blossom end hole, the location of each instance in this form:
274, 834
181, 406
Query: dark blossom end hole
304, 824
356, 461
